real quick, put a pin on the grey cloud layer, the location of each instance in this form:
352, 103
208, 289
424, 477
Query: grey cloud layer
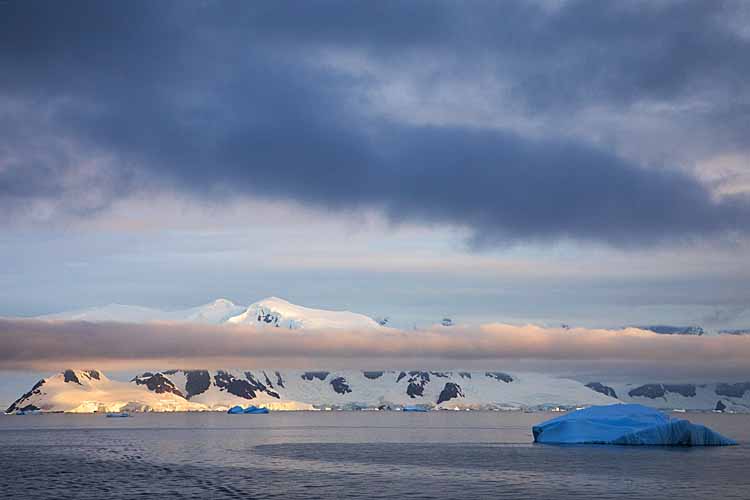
232, 99
53, 345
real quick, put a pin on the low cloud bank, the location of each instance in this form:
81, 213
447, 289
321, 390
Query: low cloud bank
52, 345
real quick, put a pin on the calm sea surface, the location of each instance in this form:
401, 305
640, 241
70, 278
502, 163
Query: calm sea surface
350, 455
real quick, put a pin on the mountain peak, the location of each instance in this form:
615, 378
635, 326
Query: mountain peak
270, 311
278, 312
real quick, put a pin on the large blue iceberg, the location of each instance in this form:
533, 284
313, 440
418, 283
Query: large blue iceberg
625, 424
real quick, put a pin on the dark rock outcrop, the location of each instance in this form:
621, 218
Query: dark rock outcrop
233, 385
400, 376
653, 391
198, 382
268, 380
441, 374
340, 386
735, 331
720, 406
246, 388
259, 386
602, 389
279, 380
312, 375
686, 390
159, 384
504, 377
674, 330
449, 392
70, 377
372, 375
16, 406
268, 318
464, 375
732, 390
417, 381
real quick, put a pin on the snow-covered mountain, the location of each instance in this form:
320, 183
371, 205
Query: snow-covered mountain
195, 390
86, 391
203, 390
269, 312
277, 312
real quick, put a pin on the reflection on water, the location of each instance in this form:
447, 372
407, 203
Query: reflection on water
352, 455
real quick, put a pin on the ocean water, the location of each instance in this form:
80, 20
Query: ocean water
350, 455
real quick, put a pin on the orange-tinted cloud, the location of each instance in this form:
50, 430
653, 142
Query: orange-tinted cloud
48, 345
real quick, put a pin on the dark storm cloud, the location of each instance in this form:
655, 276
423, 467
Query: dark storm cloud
230, 99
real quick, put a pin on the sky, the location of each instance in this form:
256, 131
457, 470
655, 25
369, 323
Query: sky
543, 161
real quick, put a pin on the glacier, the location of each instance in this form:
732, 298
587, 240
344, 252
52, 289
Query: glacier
625, 424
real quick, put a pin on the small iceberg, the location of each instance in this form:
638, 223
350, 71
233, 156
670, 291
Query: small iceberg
251, 410
121, 414
255, 410
625, 424
418, 409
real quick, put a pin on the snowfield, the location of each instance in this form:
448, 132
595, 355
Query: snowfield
200, 390
203, 390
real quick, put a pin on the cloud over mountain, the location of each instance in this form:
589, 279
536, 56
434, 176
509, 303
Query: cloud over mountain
52, 344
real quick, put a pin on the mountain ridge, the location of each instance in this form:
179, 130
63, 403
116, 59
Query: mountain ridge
86, 391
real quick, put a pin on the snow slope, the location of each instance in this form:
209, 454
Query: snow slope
191, 390
177, 390
215, 312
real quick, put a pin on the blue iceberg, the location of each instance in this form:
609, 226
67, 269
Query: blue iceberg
121, 414
235, 410
255, 410
625, 424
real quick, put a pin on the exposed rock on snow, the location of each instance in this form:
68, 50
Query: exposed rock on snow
659, 390
500, 376
674, 330
733, 390
177, 390
736, 396
340, 386
450, 391
602, 389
